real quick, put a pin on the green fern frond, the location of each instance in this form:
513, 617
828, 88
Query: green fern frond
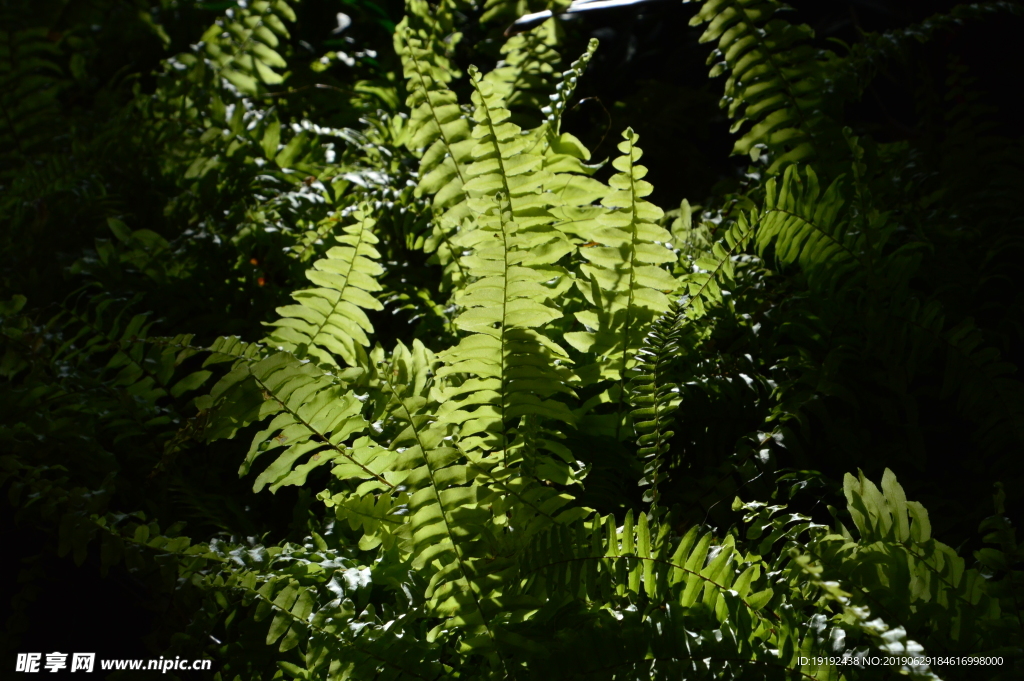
655, 397
241, 45
328, 323
30, 82
448, 535
638, 568
606, 563
314, 415
774, 92
524, 76
566, 86
439, 128
504, 160
889, 563
653, 391
514, 251
379, 519
434, 25
808, 227
511, 369
626, 286
143, 366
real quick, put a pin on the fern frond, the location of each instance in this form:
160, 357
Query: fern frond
712, 587
93, 371
889, 563
512, 370
438, 129
626, 286
448, 535
314, 414
808, 227
30, 82
524, 76
328, 323
242, 44
653, 387
565, 88
671, 642
774, 91
604, 562
504, 160
102, 330
655, 397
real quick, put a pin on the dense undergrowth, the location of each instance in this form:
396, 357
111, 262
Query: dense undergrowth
358, 341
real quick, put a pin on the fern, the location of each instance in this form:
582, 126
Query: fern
503, 311
328, 323
626, 287
483, 340
655, 397
314, 415
31, 82
925, 581
805, 226
523, 77
638, 563
774, 89
566, 87
439, 128
242, 45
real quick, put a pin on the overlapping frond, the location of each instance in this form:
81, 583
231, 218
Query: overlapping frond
807, 226
450, 533
511, 369
626, 285
314, 416
524, 77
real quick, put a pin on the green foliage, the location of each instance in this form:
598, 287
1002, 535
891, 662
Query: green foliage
775, 84
31, 82
497, 400
329, 321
